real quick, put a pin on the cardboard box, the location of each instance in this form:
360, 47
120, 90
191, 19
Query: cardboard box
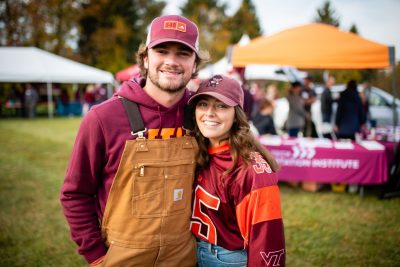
311, 186
338, 188
293, 183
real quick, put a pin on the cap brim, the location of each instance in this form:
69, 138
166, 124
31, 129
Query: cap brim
165, 40
222, 98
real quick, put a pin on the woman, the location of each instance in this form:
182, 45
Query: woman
349, 115
263, 120
236, 210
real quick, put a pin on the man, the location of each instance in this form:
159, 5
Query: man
309, 96
326, 108
31, 98
127, 190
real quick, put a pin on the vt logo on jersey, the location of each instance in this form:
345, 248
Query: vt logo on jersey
273, 257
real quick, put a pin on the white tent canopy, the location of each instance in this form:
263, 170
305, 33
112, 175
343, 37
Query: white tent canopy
30, 64
220, 67
254, 71
273, 72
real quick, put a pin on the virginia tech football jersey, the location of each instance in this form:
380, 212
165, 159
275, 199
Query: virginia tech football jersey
240, 210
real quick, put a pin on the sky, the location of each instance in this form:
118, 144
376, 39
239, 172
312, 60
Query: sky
376, 20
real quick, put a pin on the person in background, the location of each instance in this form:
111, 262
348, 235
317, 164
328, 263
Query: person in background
309, 96
297, 113
14, 102
100, 93
326, 108
258, 94
127, 190
236, 208
272, 94
249, 102
31, 98
89, 98
64, 103
365, 95
263, 119
349, 115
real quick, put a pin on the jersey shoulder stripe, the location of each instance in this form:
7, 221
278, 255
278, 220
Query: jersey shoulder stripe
260, 205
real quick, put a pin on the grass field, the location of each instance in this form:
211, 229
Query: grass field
322, 229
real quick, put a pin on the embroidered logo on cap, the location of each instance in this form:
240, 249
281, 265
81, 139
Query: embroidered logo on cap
174, 25
214, 81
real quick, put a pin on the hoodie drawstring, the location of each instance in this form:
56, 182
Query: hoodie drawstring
177, 123
177, 119
160, 124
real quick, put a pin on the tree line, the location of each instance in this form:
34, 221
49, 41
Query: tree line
107, 33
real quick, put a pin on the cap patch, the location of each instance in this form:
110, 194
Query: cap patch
214, 81
174, 25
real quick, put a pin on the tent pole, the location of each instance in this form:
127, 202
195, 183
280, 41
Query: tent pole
392, 59
109, 90
49, 98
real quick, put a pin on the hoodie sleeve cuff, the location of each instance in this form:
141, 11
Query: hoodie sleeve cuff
95, 254
98, 261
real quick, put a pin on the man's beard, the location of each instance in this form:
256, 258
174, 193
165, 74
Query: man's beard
169, 87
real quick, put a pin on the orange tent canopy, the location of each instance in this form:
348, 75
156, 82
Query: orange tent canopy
313, 46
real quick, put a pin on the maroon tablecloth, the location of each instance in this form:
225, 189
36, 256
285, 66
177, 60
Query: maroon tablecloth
328, 162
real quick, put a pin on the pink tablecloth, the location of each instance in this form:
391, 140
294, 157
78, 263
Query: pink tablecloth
328, 162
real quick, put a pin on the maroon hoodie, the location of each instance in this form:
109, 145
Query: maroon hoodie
97, 151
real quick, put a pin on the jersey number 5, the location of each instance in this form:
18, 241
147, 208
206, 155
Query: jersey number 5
211, 202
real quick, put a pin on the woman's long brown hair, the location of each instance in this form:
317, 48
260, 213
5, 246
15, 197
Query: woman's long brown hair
241, 142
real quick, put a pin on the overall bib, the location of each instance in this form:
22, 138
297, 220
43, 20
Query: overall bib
147, 215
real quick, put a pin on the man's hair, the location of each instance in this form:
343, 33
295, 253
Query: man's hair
296, 83
201, 59
241, 142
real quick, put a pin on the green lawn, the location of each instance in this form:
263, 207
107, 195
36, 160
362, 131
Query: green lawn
322, 229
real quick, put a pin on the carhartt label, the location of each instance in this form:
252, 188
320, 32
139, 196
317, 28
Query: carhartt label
178, 194
174, 25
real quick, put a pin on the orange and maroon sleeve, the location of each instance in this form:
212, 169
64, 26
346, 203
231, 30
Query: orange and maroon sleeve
260, 222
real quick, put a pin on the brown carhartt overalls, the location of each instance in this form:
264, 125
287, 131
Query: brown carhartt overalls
147, 215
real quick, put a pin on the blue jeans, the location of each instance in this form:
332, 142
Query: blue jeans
209, 255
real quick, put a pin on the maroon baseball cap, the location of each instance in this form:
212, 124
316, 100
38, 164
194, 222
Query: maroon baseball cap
173, 28
223, 88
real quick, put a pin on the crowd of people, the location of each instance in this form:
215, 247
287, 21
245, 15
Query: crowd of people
352, 110
23, 100
21, 103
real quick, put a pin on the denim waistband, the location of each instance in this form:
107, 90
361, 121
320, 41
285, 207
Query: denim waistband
210, 247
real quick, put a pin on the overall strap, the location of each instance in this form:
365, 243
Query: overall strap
135, 119
188, 119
